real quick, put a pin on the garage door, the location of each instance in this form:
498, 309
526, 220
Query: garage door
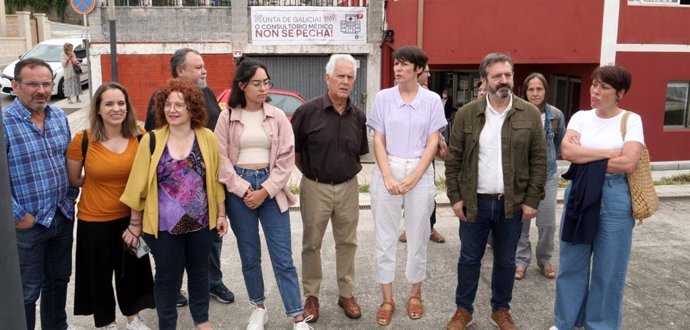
305, 75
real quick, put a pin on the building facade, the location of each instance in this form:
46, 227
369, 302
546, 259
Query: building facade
294, 38
565, 40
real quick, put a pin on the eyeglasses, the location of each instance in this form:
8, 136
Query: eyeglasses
37, 85
177, 106
257, 83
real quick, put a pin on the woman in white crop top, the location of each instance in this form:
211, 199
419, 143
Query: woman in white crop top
257, 156
591, 277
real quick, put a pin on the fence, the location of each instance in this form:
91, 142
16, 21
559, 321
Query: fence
227, 3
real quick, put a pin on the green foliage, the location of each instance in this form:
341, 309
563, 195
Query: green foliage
37, 6
676, 179
440, 183
364, 187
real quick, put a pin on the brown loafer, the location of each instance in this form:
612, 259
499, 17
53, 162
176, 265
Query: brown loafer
311, 308
461, 320
350, 307
436, 237
503, 320
403, 237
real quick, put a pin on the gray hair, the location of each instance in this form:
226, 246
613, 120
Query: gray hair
330, 66
492, 58
178, 59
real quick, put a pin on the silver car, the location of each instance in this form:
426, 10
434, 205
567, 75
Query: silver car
49, 51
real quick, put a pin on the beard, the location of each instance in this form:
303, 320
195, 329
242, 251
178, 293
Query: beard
201, 83
501, 91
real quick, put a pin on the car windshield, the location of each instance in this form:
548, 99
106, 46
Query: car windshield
286, 103
48, 53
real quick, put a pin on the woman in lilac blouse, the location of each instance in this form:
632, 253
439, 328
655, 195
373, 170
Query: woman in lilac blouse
176, 200
406, 121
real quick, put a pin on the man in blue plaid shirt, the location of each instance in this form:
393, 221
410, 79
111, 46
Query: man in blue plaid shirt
36, 136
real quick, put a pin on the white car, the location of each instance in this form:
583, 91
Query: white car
49, 51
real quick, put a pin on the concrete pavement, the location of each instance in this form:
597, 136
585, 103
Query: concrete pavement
657, 289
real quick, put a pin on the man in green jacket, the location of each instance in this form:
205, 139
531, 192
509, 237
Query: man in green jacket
502, 135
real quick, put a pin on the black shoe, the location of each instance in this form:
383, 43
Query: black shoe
222, 294
181, 300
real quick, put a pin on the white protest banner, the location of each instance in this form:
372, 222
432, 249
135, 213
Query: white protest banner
308, 25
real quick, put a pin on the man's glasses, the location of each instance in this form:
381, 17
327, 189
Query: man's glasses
37, 85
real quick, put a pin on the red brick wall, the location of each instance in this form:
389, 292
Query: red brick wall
143, 74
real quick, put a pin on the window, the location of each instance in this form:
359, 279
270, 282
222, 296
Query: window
676, 114
565, 94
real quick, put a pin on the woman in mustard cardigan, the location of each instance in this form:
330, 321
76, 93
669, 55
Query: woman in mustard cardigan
177, 201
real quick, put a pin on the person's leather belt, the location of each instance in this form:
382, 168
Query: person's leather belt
496, 197
317, 180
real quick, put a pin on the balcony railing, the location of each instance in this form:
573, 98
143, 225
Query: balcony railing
323, 3
226, 3
173, 3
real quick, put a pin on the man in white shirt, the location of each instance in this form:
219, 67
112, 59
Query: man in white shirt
495, 172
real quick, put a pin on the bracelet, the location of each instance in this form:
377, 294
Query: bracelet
221, 216
135, 224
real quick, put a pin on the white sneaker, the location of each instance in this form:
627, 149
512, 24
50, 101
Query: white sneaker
137, 324
303, 325
112, 326
71, 327
258, 319
553, 328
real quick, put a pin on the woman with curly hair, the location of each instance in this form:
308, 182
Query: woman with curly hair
176, 200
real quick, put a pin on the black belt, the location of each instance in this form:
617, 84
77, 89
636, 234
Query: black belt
496, 197
331, 182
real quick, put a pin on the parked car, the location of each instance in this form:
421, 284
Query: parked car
49, 51
288, 101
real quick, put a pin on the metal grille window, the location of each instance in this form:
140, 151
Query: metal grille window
676, 113
322, 3
173, 3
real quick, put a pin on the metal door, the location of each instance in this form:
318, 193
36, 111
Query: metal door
305, 75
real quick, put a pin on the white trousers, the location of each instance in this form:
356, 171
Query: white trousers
418, 204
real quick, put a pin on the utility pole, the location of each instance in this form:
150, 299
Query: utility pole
113, 40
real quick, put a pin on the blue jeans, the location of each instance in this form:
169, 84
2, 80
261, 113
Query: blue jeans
173, 254
591, 277
276, 226
45, 263
473, 235
215, 275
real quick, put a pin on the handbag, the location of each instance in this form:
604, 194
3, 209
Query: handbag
77, 69
643, 196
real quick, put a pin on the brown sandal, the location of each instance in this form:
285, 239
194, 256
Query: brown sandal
384, 316
415, 310
548, 271
519, 273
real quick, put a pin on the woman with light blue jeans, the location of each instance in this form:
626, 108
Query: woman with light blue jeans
536, 91
257, 149
591, 278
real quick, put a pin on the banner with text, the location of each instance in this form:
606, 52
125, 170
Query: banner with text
309, 25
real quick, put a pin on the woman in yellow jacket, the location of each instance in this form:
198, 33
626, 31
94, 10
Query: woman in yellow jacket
177, 201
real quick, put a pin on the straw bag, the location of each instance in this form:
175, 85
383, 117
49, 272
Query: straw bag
643, 196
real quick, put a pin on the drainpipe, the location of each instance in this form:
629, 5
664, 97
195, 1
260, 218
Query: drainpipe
420, 23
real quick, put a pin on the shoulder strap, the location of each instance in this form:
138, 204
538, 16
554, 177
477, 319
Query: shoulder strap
624, 124
152, 141
84, 145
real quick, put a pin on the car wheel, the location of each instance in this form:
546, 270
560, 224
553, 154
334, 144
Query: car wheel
61, 88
